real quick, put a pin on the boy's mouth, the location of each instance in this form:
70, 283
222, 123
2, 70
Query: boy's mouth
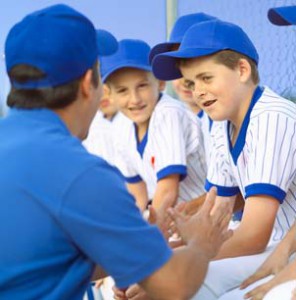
137, 108
209, 103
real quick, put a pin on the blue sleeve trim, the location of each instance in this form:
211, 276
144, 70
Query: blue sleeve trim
224, 191
134, 179
173, 169
265, 189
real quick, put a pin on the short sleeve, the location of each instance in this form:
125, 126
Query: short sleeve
101, 218
175, 136
271, 149
125, 164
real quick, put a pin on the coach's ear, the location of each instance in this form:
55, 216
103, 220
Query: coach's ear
161, 85
86, 85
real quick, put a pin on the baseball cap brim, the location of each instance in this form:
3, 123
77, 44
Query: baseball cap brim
107, 43
164, 66
161, 48
125, 65
282, 15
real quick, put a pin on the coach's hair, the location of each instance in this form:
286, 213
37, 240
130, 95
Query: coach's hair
49, 97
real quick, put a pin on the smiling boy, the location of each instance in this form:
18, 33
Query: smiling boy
164, 148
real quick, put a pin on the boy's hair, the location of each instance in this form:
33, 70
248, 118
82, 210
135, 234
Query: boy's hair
50, 97
229, 59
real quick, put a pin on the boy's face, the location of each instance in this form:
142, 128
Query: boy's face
135, 93
216, 89
107, 105
181, 89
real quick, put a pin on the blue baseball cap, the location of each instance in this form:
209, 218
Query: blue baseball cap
285, 15
178, 31
130, 54
107, 43
203, 39
59, 41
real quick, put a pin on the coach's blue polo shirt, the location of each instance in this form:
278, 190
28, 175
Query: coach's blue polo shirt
61, 211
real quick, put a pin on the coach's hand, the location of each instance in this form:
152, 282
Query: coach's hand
207, 229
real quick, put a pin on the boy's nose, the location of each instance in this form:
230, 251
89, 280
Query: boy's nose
199, 92
135, 99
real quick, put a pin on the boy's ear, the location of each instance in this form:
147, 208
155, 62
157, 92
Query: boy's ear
244, 69
161, 85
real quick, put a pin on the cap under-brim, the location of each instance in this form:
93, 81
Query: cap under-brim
282, 15
107, 43
122, 65
164, 66
161, 48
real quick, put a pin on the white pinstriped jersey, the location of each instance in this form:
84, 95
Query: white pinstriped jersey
172, 145
100, 139
263, 159
206, 127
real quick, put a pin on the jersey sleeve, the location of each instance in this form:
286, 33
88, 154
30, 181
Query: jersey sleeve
125, 164
220, 173
174, 137
270, 150
101, 218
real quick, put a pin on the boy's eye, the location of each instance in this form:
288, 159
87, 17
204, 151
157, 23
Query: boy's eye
189, 85
121, 91
143, 85
206, 78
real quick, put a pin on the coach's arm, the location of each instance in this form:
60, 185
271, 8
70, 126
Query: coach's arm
184, 273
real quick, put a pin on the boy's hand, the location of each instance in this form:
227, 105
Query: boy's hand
208, 229
272, 265
162, 220
135, 292
119, 294
286, 274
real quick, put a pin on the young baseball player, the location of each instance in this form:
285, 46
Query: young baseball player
69, 209
100, 139
258, 144
164, 148
185, 94
180, 27
276, 277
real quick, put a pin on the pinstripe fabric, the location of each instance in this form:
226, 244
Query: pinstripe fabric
263, 162
174, 145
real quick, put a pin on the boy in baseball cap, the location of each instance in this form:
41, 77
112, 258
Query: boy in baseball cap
219, 63
62, 210
155, 150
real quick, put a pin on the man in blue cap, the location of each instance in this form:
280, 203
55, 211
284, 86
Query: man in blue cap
63, 210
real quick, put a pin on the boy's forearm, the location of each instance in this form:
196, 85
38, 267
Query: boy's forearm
241, 244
